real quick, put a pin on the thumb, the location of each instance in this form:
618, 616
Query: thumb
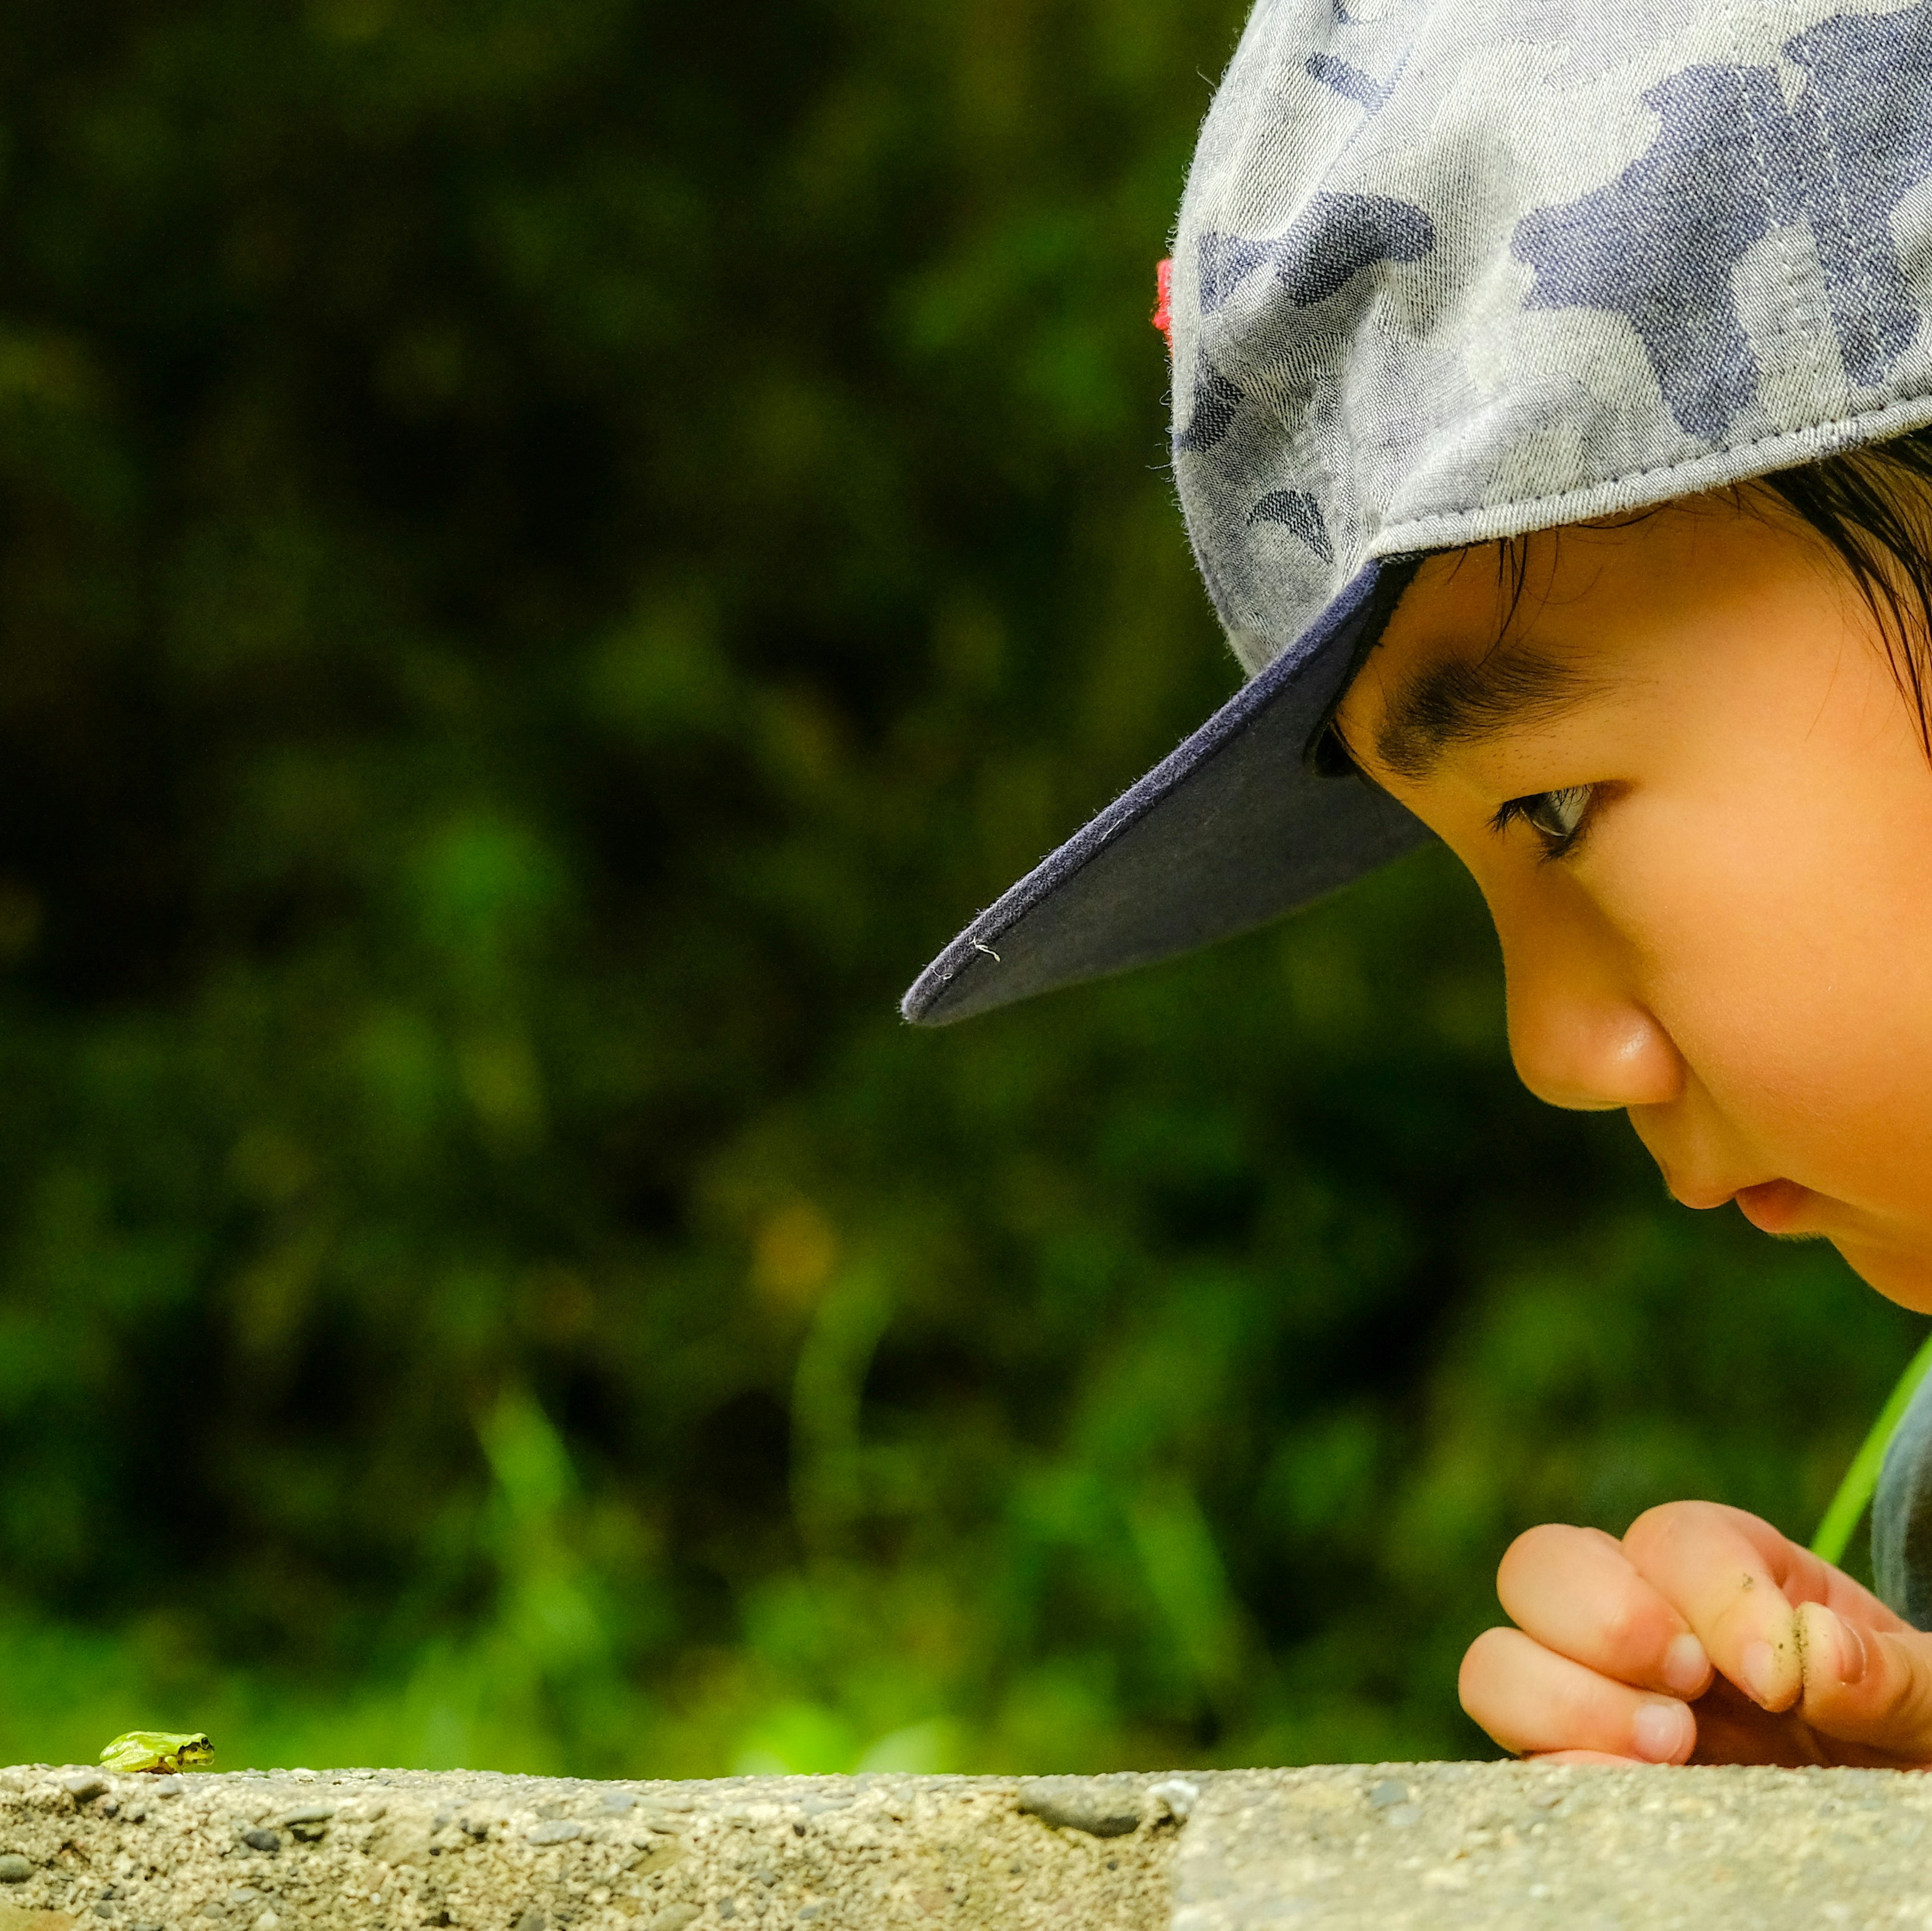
1867, 1687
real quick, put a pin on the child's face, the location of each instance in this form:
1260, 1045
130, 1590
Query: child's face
1736, 946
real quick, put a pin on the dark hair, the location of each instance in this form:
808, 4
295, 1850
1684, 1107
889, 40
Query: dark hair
1871, 507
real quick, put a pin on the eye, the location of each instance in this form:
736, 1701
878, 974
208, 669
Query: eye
1556, 817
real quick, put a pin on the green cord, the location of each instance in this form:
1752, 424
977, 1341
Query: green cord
1861, 1478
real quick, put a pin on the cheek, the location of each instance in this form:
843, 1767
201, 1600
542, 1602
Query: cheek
1785, 951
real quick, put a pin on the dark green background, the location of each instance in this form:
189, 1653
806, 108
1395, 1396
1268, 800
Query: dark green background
553, 550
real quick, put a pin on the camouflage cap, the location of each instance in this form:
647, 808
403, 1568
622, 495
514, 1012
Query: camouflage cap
1448, 271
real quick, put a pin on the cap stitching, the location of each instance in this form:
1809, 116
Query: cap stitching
1779, 230
1901, 407
1854, 246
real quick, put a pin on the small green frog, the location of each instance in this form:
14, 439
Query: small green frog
156, 1750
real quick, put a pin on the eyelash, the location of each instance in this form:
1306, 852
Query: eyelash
1556, 844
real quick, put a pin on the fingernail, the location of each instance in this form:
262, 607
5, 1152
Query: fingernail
1686, 1667
1663, 1731
1847, 1657
1759, 1668
1853, 1657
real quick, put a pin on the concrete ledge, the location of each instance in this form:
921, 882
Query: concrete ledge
1511, 1847
357, 1850
1390, 1848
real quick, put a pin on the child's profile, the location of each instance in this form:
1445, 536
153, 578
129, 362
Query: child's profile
1551, 396
1685, 759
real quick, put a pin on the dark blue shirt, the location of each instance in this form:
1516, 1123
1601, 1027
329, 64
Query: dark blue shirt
1901, 1532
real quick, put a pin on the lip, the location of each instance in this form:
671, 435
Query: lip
1772, 1206
1688, 1190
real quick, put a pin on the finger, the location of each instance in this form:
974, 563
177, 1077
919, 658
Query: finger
1736, 1580
1576, 1592
1872, 1687
1531, 1700
1855, 1603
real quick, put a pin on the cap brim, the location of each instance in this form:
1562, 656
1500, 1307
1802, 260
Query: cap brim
1232, 830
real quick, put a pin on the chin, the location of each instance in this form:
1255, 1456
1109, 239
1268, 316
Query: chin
1900, 1276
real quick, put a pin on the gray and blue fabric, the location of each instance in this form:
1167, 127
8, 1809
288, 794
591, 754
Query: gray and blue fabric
1448, 271
1901, 1519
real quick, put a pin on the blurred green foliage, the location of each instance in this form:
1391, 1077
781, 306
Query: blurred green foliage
550, 556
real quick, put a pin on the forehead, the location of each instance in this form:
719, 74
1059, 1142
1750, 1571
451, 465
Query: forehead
1507, 637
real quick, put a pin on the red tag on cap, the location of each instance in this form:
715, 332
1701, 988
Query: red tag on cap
1163, 307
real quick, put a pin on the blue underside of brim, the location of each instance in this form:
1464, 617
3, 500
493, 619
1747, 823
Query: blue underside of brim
1232, 830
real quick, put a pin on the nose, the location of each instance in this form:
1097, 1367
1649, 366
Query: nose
1580, 1035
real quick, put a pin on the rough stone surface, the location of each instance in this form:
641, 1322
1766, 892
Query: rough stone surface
1514, 1847
357, 1849
1399, 1847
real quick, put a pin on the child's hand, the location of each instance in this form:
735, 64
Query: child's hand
1611, 1658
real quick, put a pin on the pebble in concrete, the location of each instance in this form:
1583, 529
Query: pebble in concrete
1103, 1807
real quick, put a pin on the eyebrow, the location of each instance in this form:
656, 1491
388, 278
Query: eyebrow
1515, 687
